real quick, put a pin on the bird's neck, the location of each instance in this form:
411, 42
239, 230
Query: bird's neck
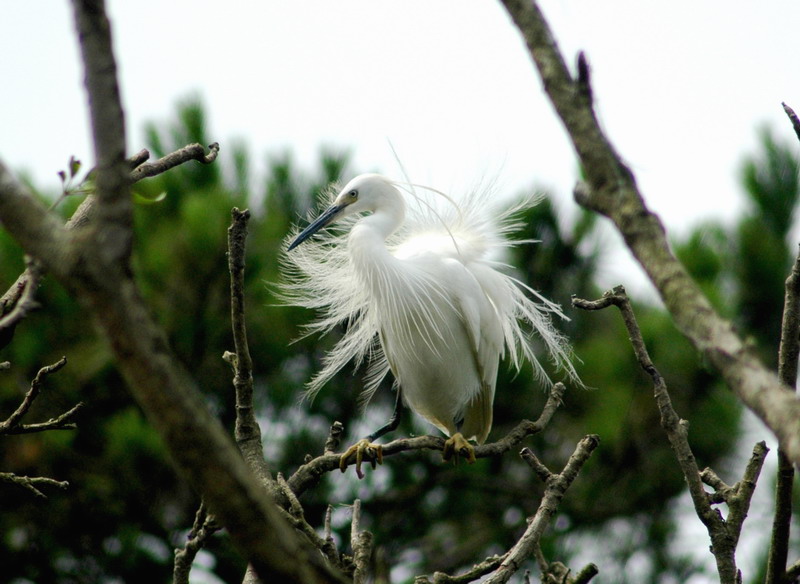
367, 239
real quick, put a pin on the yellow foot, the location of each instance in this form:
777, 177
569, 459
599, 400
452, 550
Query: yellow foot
457, 445
363, 450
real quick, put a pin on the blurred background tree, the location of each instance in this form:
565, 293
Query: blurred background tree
126, 510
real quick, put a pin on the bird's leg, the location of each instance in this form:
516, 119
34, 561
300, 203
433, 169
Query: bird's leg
367, 448
393, 422
456, 445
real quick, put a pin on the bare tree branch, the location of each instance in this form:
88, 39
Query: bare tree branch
787, 371
38, 232
361, 543
793, 573
24, 302
477, 571
792, 118
556, 486
204, 527
334, 438
13, 424
247, 431
309, 474
32, 484
115, 205
62, 422
173, 159
612, 191
724, 534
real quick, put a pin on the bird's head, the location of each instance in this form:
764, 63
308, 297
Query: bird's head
365, 193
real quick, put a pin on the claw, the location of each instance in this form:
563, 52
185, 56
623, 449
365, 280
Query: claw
457, 445
364, 450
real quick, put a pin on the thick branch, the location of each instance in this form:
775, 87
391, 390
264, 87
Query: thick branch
612, 191
108, 129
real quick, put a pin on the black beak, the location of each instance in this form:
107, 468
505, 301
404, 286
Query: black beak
323, 220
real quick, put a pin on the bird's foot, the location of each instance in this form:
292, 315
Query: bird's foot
457, 445
363, 450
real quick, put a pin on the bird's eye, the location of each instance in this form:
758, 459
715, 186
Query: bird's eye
353, 194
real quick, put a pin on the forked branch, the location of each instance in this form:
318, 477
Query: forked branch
204, 527
724, 533
502, 568
13, 424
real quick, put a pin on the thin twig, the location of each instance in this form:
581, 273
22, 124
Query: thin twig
294, 514
329, 547
13, 425
32, 483
173, 159
62, 422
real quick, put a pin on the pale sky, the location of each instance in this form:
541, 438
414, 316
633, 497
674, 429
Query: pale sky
681, 88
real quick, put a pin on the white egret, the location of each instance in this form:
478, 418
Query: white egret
422, 294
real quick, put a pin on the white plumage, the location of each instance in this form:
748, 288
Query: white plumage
422, 293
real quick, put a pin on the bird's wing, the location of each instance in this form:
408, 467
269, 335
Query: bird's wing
484, 331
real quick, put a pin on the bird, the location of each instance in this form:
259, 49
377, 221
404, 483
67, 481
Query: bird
422, 291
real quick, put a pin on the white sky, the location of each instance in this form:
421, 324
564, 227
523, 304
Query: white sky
681, 88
